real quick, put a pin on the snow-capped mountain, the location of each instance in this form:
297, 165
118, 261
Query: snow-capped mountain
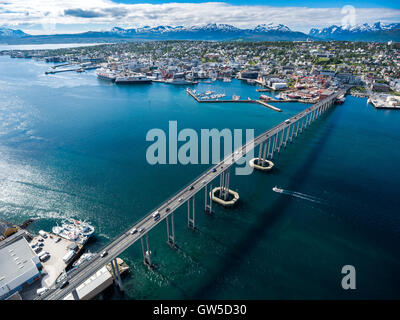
6, 32
212, 31
271, 27
374, 32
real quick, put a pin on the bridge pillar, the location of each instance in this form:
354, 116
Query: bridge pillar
224, 191
291, 127
297, 127
191, 214
281, 139
302, 124
207, 206
264, 152
171, 231
269, 155
275, 137
118, 279
260, 150
146, 252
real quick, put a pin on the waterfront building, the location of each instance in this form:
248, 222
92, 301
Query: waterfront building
19, 266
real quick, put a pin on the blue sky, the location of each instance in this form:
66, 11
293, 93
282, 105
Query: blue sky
72, 16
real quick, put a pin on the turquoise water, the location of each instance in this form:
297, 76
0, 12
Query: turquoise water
74, 146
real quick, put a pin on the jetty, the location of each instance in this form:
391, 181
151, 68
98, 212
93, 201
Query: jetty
191, 93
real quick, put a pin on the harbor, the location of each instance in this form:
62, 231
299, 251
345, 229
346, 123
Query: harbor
235, 99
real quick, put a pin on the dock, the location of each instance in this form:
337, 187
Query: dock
190, 92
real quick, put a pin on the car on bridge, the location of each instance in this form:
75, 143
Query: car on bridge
64, 284
103, 254
156, 215
133, 231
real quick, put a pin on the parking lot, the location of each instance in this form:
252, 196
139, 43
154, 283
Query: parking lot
54, 265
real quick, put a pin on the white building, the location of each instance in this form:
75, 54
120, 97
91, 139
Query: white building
19, 265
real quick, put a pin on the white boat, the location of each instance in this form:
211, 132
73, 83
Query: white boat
74, 230
276, 189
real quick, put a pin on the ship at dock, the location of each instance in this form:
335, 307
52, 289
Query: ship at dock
136, 78
74, 230
106, 75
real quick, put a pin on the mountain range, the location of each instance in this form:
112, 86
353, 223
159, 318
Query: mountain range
363, 32
263, 32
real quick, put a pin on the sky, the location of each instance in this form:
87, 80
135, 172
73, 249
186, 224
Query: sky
74, 16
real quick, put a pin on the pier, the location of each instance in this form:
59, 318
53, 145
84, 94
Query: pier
269, 144
190, 92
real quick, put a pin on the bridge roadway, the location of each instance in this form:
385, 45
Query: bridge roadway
125, 240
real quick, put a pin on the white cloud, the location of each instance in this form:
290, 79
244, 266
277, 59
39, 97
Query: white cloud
54, 16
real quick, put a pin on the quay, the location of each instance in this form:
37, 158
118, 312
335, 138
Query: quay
272, 141
190, 92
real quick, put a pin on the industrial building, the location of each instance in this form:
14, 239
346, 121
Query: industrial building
19, 266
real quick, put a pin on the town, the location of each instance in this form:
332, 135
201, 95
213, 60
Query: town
304, 71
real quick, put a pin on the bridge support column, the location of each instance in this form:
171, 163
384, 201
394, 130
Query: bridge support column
171, 230
264, 152
274, 138
291, 133
302, 124
118, 279
191, 214
281, 140
224, 191
146, 252
207, 206
297, 127
286, 137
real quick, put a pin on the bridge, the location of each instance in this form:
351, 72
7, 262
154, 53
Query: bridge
269, 143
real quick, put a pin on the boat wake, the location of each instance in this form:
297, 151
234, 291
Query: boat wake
299, 195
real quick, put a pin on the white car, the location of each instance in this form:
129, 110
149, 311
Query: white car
180, 200
133, 231
103, 254
287, 121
